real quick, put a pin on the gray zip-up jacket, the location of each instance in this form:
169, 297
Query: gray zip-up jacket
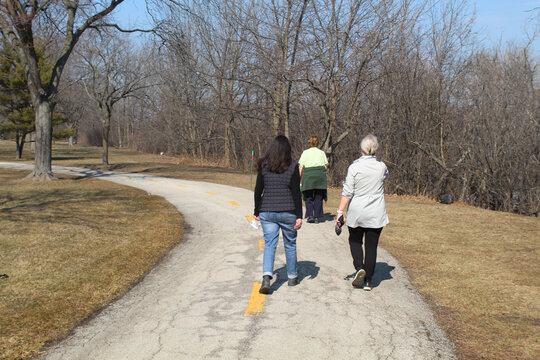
364, 185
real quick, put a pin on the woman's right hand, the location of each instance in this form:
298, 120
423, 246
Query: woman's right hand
298, 224
339, 222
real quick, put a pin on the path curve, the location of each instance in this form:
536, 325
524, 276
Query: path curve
192, 305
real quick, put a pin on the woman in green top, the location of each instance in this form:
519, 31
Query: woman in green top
312, 165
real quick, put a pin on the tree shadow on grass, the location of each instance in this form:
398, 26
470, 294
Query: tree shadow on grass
171, 169
58, 206
67, 157
145, 168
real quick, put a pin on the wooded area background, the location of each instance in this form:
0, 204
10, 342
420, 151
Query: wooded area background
218, 79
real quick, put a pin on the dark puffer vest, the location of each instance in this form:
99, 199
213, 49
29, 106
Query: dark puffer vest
277, 195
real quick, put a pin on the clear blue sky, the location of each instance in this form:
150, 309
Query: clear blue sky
496, 20
132, 13
506, 20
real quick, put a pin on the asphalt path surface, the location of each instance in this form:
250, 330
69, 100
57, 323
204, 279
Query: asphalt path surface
200, 301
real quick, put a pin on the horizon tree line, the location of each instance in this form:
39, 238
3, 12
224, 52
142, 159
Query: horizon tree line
224, 77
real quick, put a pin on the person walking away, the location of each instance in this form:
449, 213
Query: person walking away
313, 165
278, 206
363, 192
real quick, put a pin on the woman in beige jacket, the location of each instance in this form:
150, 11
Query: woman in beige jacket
363, 192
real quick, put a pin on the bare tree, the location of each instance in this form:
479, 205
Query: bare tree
111, 72
448, 114
222, 52
24, 21
345, 37
449, 41
503, 123
180, 103
274, 28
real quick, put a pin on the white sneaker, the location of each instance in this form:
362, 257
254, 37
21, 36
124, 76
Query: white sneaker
359, 278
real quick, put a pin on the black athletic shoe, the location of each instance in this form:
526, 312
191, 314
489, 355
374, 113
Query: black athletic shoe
368, 286
265, 287
310, 220
293, 281
359, 278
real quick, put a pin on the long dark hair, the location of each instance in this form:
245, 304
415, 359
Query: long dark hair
278, 157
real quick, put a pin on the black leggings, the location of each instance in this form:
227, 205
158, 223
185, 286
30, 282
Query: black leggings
314, 202
356, 236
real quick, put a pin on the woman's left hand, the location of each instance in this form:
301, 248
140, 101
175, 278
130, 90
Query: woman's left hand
298, 224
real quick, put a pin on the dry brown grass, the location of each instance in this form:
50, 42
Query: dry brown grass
478, 269
69, 248
133, 161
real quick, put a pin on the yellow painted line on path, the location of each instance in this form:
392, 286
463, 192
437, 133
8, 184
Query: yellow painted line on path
256, 303
250, 218
184, 186
153, 180
211, 193
234, 203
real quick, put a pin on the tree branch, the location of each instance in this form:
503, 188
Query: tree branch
123, 30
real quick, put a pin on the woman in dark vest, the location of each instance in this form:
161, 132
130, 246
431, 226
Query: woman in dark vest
278, 205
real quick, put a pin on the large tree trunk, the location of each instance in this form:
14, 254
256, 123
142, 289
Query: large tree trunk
119, 132
43, 140
106, 130
16, 24
32, 141
276, 109
20, 145
232, 143
19, 151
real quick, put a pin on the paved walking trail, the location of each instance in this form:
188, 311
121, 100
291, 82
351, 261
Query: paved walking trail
193, 304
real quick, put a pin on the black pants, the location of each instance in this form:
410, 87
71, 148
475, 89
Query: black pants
356, 235
314, 203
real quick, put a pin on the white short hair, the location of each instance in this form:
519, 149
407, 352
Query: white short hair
369, 144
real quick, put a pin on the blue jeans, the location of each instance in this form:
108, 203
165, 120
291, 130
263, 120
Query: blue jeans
271, 223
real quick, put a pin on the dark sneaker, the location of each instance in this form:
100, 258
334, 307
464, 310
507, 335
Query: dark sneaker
316, 220
265, 286
293, 281
359, 278
310, 220
368, 286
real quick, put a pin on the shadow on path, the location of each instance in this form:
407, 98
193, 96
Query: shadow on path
326, 217
382, 272
305, 269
